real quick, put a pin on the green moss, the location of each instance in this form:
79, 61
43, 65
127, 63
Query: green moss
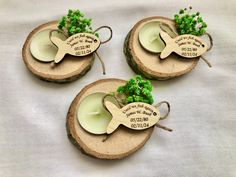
75, 22
190, 23
137, 90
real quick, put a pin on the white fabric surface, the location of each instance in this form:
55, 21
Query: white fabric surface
33, 140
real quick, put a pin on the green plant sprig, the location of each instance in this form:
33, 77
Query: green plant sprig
187, 23
75, 22
137, 90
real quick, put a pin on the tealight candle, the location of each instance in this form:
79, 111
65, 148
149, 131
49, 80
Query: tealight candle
92, 115
41, 46
149, 37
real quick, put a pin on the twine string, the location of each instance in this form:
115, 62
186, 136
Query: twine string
103, 42
209, 48
206, 61
168, 109
163, 127
111, 33
102, 63
164, 116
210, 39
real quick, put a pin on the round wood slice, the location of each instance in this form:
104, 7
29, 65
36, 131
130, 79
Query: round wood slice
149, 64
120, 144
68, 70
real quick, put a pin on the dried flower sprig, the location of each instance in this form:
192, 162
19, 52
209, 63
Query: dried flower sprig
137, 90
190, 23
75, 22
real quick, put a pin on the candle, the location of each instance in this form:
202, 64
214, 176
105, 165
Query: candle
91, 114
149, 37
41, 46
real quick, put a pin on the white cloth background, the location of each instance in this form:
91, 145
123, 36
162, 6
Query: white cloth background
33, 140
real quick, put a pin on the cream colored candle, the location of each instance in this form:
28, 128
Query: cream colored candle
92, 116
149, 37
41, 46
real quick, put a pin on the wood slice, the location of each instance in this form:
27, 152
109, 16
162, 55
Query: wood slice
120, 144
149, 64
69, 69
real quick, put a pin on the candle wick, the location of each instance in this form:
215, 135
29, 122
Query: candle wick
94, 113
153, 39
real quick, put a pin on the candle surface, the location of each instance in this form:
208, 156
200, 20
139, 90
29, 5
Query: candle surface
149, 37
92, 116
41, 46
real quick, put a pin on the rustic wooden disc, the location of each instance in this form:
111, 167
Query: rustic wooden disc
120, 144
149, 64
68, 70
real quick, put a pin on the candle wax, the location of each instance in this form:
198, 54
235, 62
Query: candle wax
149, 37
41, 46
92, 116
